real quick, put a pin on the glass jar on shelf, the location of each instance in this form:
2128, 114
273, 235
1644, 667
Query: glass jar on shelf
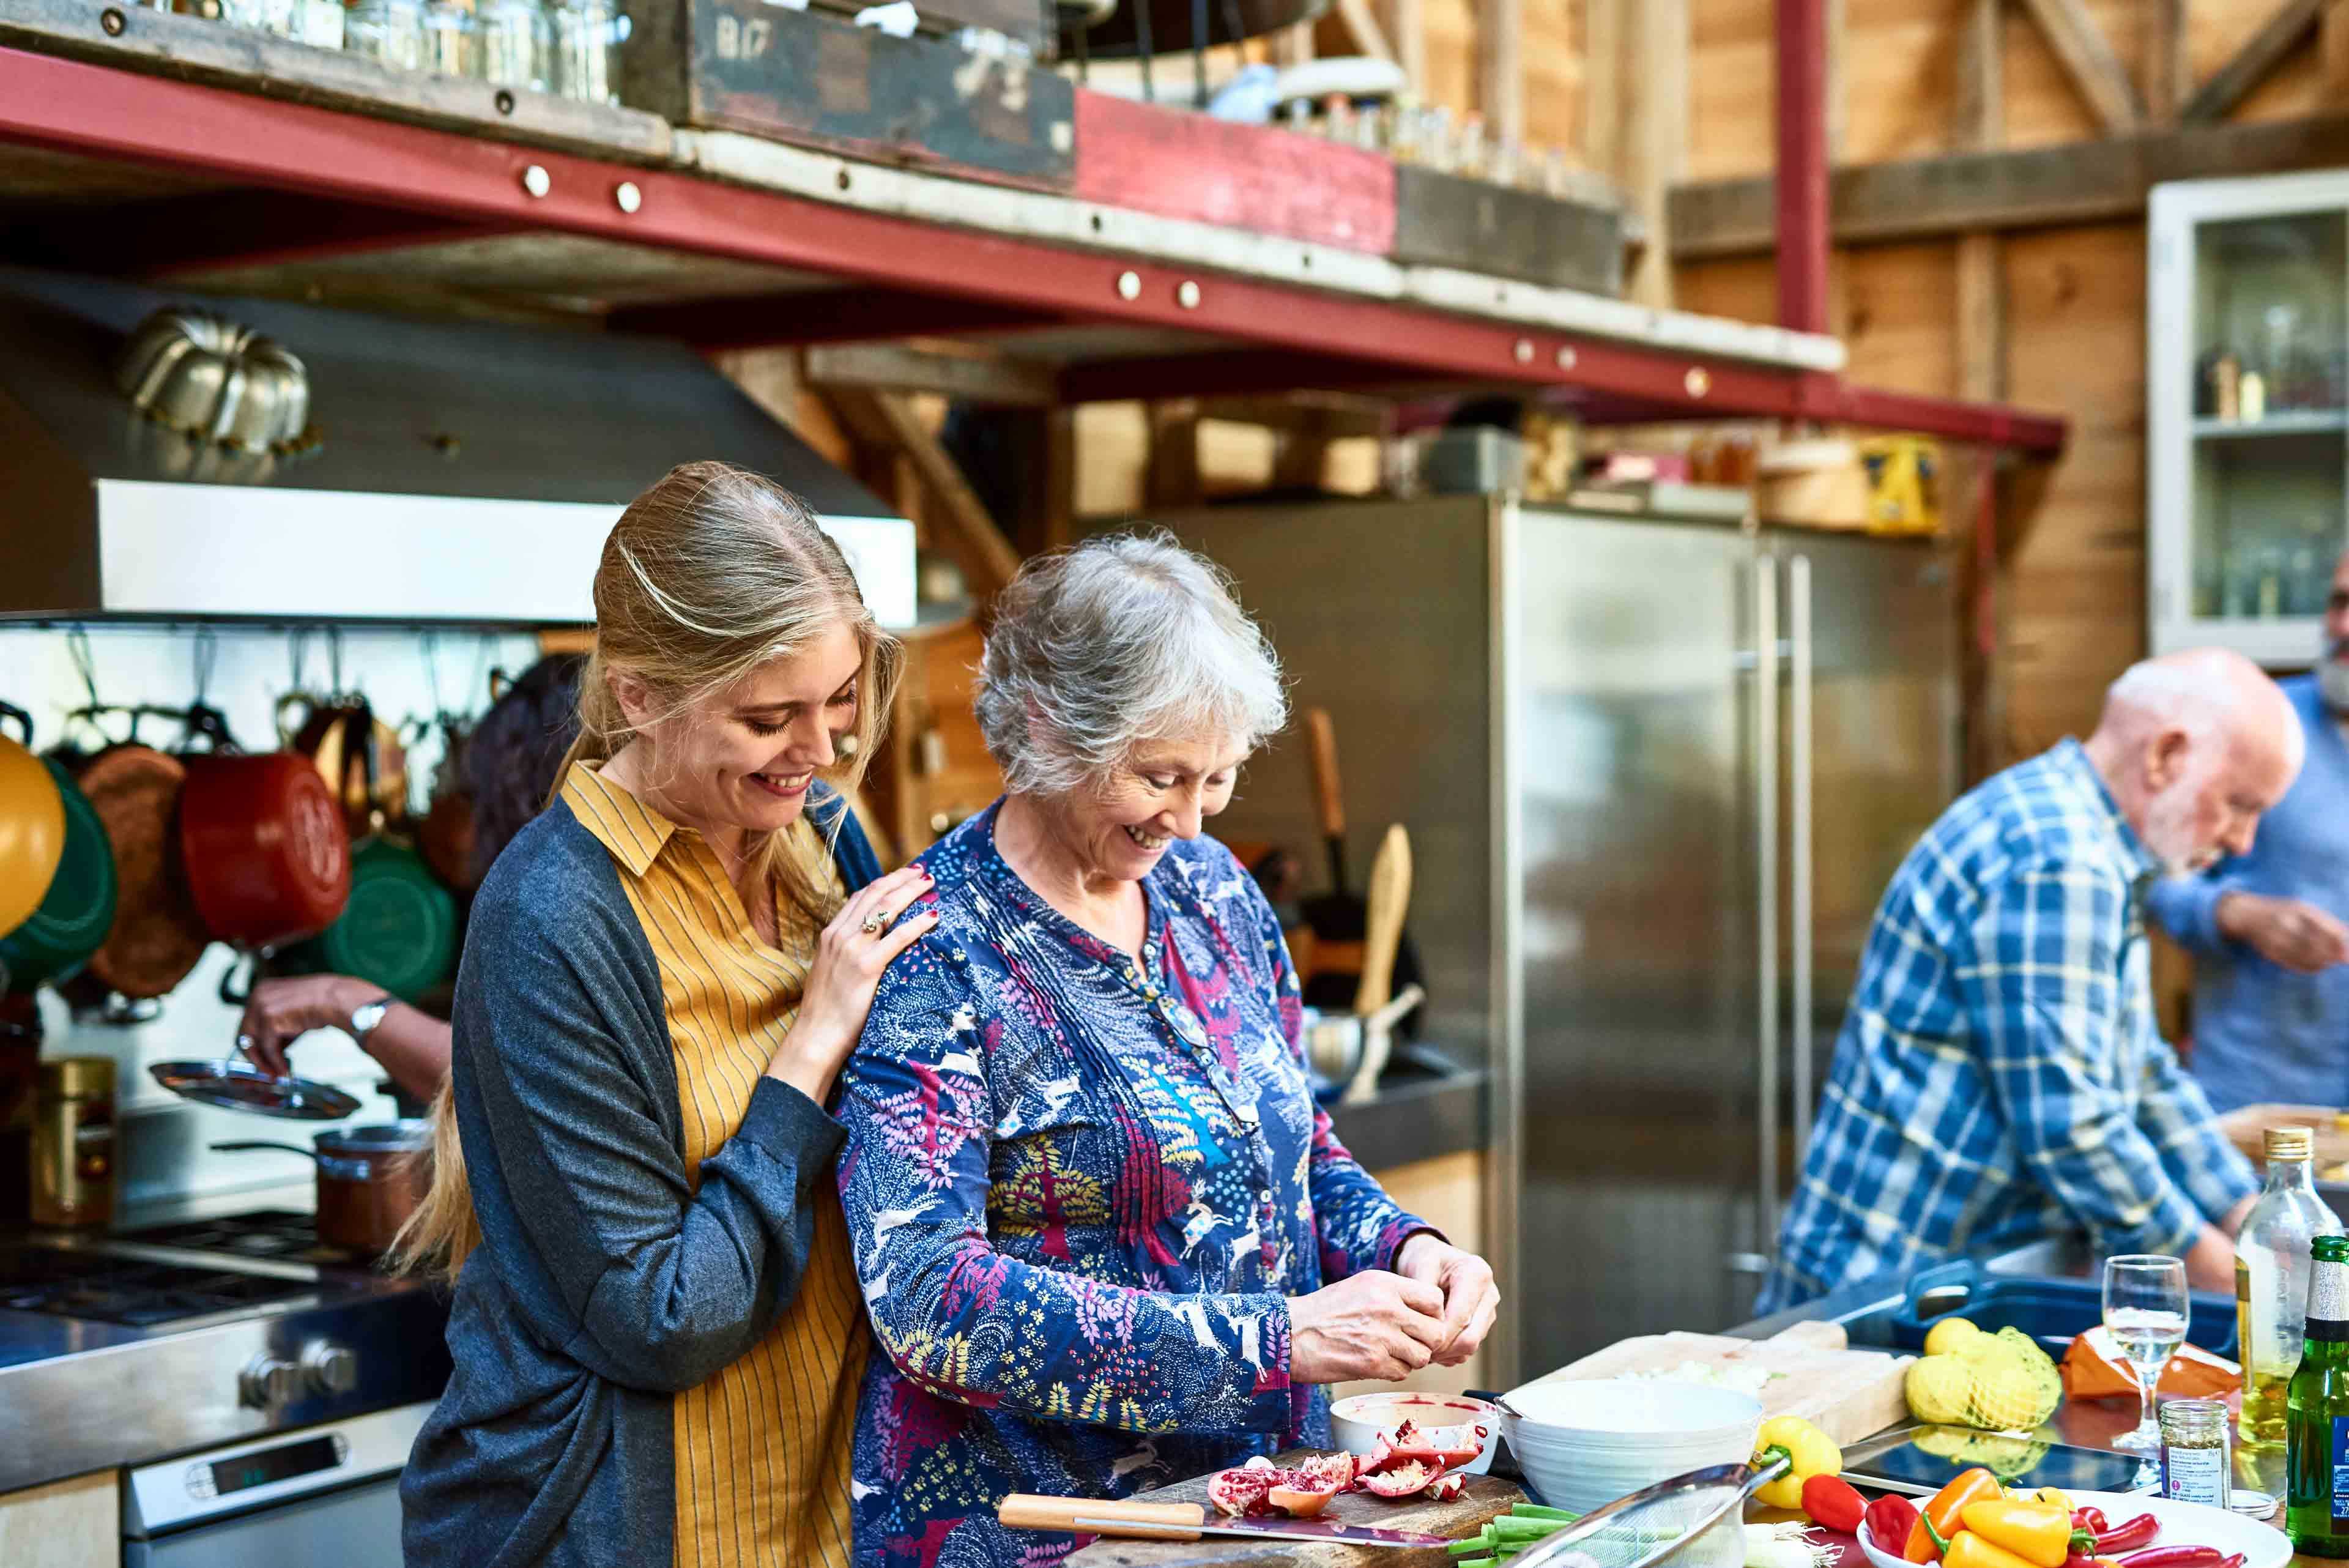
280, 18
583, 50
391, 31
510, 44
448, 38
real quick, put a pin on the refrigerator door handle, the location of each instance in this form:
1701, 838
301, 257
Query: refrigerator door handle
1798, 814
1765, 857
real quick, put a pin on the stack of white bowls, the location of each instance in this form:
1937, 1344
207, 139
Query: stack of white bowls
1584, 1444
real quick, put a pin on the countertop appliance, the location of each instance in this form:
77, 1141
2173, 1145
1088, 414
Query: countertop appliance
1657, 776
202, 1341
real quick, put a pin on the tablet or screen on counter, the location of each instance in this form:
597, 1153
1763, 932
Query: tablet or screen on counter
1920, 1460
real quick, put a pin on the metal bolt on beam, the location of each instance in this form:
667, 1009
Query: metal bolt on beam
1698, 381
536, 181
626, 197
1187, 294
1565, 358
1523, 350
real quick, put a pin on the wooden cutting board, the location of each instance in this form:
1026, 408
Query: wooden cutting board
1484, 1500
1846, 1394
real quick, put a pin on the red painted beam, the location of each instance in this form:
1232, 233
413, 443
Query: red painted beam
1993, 424
826, 316
1801, 184
95, 110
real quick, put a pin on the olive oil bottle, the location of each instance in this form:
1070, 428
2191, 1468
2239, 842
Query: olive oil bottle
2316, 1462
2271, 1269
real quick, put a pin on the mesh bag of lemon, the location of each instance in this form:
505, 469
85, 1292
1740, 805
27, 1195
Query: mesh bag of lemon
1999, 1382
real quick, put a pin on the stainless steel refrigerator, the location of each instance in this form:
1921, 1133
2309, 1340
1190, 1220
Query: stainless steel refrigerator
1657, 776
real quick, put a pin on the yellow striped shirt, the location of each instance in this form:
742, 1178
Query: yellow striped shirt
762, 1448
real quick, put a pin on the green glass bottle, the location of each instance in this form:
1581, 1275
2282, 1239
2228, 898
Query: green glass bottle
2316, 1411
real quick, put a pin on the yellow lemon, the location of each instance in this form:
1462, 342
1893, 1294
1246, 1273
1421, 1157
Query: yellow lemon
1947, 1334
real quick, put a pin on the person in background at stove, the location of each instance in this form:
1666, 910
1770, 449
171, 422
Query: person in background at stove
2000, 1075
1096, 1212
512, 765
2270, 929
657, 1332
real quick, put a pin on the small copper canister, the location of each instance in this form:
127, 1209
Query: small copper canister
73, 1142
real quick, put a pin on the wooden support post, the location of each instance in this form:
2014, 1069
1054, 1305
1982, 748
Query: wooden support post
1969, 477
2168, 75
1603, 60
2088, 59
2291, 22
1655, 135
1363, 23
1406, 29
900, 367
1292, 45
2332, 36
1173, 481
966, 530
1978, 107
1500, 73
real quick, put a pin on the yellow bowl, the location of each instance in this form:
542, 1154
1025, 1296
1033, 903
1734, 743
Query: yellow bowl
32, 832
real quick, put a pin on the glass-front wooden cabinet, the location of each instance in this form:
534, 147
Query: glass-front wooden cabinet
2247, 437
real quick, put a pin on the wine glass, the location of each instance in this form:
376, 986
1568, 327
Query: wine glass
2144, 1311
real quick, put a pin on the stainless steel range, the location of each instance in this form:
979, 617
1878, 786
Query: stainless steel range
261, 1389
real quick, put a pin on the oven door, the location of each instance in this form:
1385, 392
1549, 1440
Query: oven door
323, 1495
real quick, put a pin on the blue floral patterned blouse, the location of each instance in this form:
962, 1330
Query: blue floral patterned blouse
1080, 1192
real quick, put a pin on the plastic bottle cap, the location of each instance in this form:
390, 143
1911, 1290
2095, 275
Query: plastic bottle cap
2290, 1143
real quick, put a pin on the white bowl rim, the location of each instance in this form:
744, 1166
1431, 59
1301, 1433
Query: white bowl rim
1724, 1410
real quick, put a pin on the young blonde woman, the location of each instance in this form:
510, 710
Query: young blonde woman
656, 1328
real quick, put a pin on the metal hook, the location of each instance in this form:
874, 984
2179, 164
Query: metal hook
431, 645
202, 659
335, 663
85, 662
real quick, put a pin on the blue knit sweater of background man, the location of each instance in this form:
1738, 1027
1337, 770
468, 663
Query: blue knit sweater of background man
2269, 930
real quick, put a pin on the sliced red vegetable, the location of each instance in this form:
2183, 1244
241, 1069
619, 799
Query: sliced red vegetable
1448, 1446
2138, 1532
1831, 1502
2174, 1557
1337, 1469
1890, 1519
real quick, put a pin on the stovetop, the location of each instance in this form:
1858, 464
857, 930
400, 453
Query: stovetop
284, 1235
164, 1274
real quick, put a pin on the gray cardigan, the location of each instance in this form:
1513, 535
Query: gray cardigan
604, 1286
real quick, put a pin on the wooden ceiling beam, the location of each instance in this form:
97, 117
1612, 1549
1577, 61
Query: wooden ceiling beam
2169, 74
970, 533
2087, 57
2292, 22
996, 380
2041, 187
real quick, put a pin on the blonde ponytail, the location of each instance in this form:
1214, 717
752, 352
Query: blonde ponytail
708, 575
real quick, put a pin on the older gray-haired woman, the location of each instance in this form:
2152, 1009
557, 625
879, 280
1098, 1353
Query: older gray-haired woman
1092, 1203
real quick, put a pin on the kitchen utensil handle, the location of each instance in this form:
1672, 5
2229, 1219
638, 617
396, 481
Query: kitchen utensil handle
1329, 799
1798, 815
1160, 1520
1765, 864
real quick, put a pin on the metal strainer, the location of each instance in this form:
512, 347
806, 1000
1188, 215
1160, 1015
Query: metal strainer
1693, 1521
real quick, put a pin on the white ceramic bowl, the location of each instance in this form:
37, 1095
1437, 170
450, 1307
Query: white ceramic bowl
1356, 1423
1587, 1443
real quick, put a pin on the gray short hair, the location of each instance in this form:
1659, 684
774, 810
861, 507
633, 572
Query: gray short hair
1123, 639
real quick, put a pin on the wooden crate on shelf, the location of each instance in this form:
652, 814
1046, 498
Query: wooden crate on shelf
816, 79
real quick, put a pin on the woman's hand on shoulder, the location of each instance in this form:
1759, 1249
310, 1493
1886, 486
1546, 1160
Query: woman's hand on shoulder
849, 960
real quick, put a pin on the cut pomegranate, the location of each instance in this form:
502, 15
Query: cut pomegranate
1450, 1446
1399, 1478
1446, 1487
1299, 1496
1337, 1469
1244, 1490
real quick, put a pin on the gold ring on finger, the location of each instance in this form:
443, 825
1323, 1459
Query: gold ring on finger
877, 922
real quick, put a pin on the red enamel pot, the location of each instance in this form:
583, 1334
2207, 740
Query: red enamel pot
268, 858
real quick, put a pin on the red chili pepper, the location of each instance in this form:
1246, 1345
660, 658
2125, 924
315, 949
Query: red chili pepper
2091, 1520
1890, 1519
2138, 1532
2175, 1557
1831, 1502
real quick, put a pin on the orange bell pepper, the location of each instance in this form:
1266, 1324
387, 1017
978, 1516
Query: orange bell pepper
1943, 1516
2038, 1532
1969, 1550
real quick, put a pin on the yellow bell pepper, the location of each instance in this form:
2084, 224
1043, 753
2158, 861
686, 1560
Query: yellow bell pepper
2038, 1532
2052, 1497
1809, 1451
1970, 1550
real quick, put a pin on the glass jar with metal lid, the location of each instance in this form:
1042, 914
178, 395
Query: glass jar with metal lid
2196, 1460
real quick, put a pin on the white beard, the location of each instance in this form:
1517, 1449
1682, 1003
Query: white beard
2333, 680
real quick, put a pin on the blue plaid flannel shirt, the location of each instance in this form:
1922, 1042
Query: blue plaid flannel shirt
1999, 1075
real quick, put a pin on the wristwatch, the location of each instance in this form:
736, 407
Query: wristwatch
366, 1016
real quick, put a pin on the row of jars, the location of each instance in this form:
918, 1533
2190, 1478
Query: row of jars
568, 47
1410, 133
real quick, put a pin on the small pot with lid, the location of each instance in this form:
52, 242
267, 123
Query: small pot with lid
371, 1177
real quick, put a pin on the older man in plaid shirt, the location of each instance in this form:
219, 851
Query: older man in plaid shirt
1999, 1075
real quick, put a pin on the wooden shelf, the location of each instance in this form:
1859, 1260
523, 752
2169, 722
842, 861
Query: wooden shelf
2297, 422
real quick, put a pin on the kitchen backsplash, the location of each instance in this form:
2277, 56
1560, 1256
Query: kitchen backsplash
167, 1164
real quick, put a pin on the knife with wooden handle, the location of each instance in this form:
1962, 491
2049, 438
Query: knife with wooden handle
1188, 1522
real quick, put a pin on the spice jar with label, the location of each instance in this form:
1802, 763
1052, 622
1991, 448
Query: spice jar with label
73, 1142
2195, 1461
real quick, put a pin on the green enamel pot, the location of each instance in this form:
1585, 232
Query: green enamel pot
77, 911
399, 930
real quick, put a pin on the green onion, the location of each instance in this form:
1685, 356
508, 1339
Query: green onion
1535, 1511
1482, 1542
1479, 1562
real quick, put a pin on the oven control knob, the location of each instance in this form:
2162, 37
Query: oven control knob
268, 1382
331, 1368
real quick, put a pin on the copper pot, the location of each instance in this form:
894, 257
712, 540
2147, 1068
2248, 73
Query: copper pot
362, 759
158, 933
371, 1180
